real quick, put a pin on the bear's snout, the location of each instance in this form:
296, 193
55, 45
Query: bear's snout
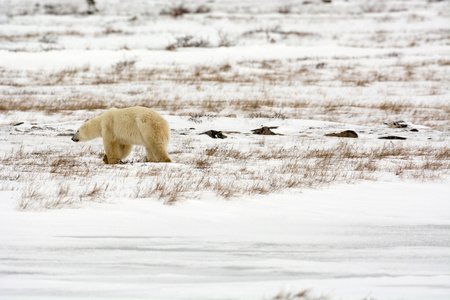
74, 138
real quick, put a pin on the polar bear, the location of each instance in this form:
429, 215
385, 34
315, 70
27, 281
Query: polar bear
123, 128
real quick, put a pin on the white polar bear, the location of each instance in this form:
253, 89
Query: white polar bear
123, 128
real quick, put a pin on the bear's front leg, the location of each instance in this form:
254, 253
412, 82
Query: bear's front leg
112, 153
105, 160
110, 160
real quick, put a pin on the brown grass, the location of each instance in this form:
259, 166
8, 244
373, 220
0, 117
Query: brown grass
266, 166
275, 98
301, 295
433, 113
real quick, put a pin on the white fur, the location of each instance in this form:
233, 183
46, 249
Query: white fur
123, 128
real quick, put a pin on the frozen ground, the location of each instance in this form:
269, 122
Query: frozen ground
247, 217
368, 241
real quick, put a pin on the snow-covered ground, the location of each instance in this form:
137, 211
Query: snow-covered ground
368, 241
249, 216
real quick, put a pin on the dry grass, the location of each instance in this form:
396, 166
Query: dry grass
267, 89
229, 170
223, 170
226, 171
180, 9
434, 113
301, 295
351, 73
35, 196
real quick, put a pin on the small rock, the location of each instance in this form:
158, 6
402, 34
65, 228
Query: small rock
391, 137
265, 130
65, 134
215, 134
344, 134
398, 124
414, 130
18, 124
320, 65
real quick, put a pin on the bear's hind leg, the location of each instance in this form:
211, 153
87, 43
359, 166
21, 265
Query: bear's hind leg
157, 153
155, 136
125, 150
150, 155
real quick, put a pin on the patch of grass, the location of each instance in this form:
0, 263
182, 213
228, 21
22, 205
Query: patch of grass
225, 40
301, 295
285, 9
30, 198
373, 6
189, 41
175, 11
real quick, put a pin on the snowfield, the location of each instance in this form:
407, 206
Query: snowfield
380, 241
294, 215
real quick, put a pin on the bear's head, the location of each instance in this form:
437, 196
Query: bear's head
89, 130
83, 134
80, 135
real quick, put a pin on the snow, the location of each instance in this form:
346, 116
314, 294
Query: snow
383, 245
95, 231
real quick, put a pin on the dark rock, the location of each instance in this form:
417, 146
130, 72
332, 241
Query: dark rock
392, 137
320, 65
265, 130
344, 134
215, 134
414, 130
18, 124
65, 134
398, 124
